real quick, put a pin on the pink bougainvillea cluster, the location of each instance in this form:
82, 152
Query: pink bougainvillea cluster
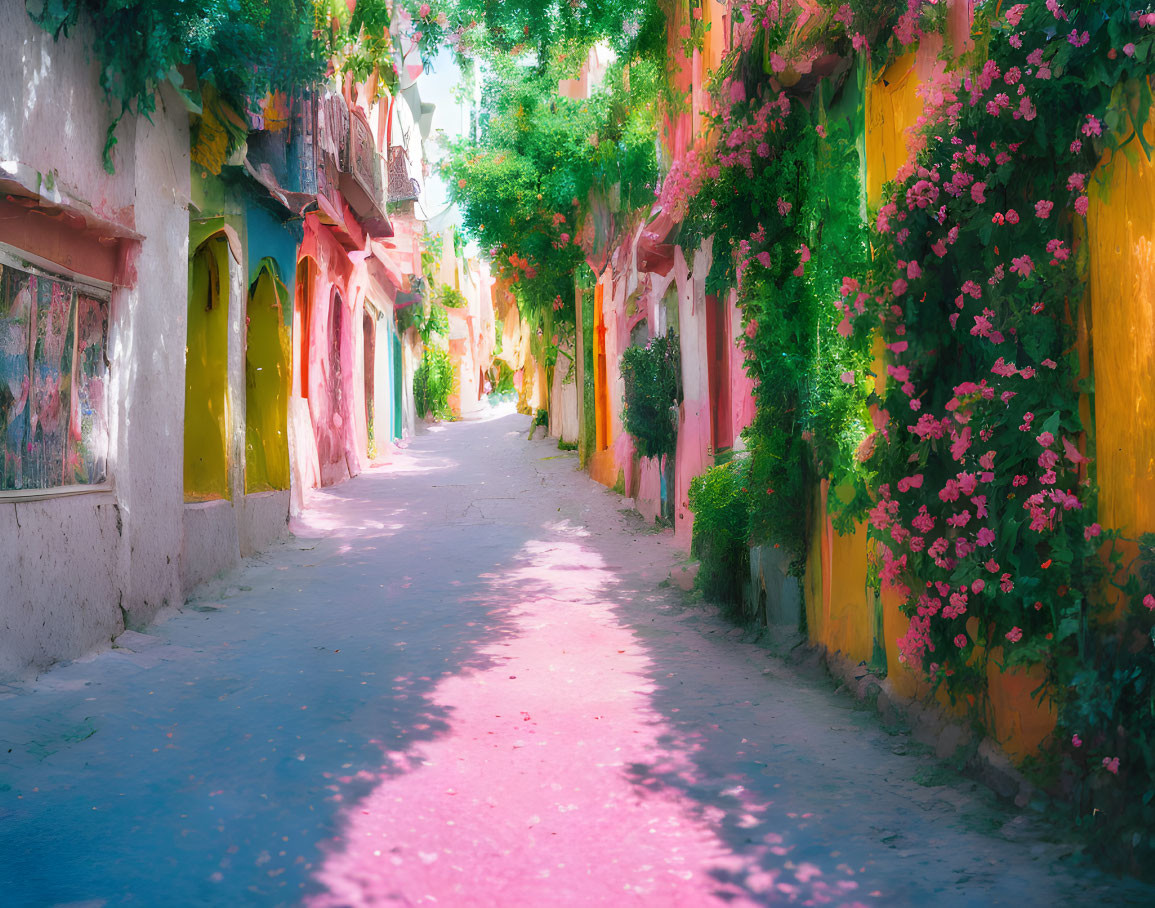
984, 517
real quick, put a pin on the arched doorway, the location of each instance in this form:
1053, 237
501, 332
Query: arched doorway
206, 463
603, 435
369, 328
302, 325
328, 406
266, 384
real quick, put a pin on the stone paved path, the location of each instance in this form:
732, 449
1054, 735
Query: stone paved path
461, 683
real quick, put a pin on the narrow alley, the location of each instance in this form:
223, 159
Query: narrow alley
463, 681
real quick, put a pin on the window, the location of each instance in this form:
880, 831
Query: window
53, 379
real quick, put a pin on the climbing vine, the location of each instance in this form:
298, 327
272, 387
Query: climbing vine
985, 523
781, 197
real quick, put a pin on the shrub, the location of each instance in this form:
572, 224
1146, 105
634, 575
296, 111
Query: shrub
653, 379
721, 509
433, 383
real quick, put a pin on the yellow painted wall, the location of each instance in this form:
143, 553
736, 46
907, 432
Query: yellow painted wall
892, 106
206, 373
1121, 235
1014, 719
840, 609
268, 356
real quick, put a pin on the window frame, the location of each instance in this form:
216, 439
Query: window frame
22, 260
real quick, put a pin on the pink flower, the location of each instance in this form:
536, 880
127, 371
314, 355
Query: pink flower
1081, 205
977, 193
1111, 764
1076, 740
960, 641
1022, 265
1149, 601
424, 11
1015, 634
848, 379
821, 130
978, 586
898, 287
984, 538
1015, 13
1091, 531
922, 194
1072, 453
1129, 49
910, 482
764, 259
784, 206
1046, 439
1092, 127
1043, 209
1077, 39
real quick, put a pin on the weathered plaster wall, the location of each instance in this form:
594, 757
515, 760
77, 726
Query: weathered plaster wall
563, 411
693, 456
52, 607
68, 566
262, 518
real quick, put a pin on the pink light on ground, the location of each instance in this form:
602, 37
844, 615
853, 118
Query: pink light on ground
527, 799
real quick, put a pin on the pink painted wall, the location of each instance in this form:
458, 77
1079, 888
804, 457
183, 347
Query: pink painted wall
683, 131
336, 444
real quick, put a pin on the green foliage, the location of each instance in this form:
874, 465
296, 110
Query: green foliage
720, 502
514, 27
431, 252
653, 380
503, 379
243, 47
433, 383
1113, 718
451, 297
428, 318
527, 182
787, 223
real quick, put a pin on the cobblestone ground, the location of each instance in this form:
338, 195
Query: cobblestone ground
462, 682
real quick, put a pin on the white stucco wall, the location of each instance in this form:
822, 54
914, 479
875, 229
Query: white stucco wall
74, 569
